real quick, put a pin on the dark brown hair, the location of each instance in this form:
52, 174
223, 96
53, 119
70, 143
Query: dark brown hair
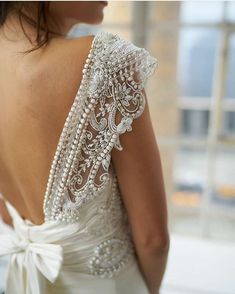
40, 24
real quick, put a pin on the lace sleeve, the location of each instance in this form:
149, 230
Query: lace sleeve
115, 91
110, 98
127, 69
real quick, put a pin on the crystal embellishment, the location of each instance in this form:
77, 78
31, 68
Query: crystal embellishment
110, 257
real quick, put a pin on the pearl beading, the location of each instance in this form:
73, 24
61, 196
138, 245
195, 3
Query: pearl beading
110, 257
61, 145
109, 98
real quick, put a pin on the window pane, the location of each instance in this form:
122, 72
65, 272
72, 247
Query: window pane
190, 169
224, 191
201, 11
82, 29
197, 55
229, 123
185, 222
221, 215
230, 77
222, 228
194, 123
189, 179
230, 11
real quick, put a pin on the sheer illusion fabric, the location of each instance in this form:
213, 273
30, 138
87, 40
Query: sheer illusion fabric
84, 244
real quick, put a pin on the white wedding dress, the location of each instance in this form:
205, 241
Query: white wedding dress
85, 244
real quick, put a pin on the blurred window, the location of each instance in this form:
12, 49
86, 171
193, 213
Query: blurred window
204, 180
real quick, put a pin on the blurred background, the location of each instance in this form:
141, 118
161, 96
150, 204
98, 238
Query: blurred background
192, 104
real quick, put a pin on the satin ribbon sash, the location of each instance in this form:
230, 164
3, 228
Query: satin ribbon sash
36, 253
30, 262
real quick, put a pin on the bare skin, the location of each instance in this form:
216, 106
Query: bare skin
33, 112
139, 172
36, 96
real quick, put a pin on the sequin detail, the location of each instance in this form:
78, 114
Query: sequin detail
110, 257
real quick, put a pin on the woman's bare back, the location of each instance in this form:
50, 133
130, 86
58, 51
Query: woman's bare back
37, 91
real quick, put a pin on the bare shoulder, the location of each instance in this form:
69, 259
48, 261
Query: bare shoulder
58, 53
52, 76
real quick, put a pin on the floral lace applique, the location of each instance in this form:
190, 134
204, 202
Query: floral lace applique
111, 96
82, 185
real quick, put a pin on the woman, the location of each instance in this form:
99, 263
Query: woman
80, 175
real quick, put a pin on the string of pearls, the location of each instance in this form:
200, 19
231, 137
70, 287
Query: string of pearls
61, 145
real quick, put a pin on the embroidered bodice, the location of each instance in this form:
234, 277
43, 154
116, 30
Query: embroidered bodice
110, 96
82, 186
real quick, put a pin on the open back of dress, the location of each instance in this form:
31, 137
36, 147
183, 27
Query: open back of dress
85, 243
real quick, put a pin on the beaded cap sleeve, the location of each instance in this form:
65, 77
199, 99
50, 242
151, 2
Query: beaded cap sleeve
110, 97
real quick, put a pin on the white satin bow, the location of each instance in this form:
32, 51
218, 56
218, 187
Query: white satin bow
31, 263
